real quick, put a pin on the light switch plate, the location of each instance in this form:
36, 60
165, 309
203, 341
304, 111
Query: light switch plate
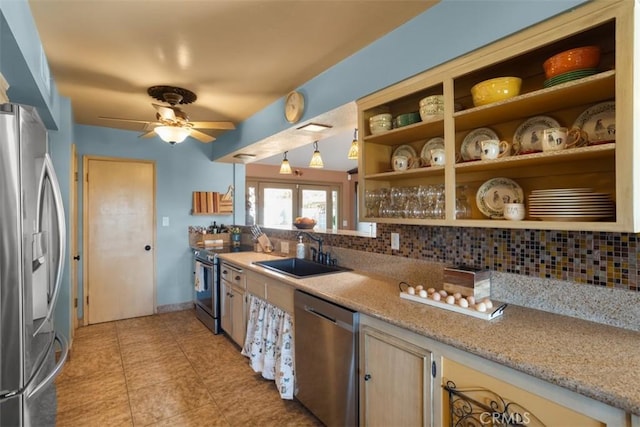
284, 247
395, 241
165, 221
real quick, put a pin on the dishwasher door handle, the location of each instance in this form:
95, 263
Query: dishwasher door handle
311, 310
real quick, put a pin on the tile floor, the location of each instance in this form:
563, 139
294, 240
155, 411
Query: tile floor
166, 370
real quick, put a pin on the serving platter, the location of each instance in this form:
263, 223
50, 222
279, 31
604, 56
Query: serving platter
470, 148
528, 136
599, 122
497, 311
431, 144
494, 193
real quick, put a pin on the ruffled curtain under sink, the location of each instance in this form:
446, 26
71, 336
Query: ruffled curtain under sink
269, 344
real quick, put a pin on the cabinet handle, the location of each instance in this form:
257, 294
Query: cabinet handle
367, 377
238, 278
225, 272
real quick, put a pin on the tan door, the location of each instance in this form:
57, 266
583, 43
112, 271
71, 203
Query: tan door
119, 237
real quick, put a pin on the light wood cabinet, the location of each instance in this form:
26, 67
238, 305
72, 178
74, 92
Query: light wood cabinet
605, 168
233, 306
395, 380
273, 291
528, 402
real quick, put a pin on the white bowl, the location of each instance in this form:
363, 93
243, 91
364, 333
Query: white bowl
433, 99
380, 127
386, 117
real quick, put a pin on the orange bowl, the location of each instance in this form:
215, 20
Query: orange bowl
572, 60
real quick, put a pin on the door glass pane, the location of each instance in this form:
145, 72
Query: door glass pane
250, 215
334, 209
314, 205
278, 206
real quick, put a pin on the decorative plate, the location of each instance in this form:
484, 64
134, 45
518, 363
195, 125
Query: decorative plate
599, 122
470, 148
493, 194
406, 150
528, 136
431, 144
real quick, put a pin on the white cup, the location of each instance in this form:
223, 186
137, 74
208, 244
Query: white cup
437, 157
400, 163
514, 211
555, 139
494, 148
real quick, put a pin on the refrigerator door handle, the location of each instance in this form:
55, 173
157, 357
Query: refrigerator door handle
55, 371
48, 171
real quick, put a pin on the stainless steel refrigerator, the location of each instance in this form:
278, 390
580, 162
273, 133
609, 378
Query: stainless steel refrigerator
32, 251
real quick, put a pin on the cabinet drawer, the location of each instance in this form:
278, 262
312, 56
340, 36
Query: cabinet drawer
233, 275
280, 295
256, 285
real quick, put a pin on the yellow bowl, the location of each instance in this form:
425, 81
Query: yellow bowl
494, 90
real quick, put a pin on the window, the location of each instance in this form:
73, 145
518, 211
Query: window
279, 203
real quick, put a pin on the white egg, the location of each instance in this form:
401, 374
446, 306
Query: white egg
450, 300
411, 290
487, 302
471, 300
436, 296
457, 296
481, 307
423, 293
443, 293
463, 303
431, 290
419, 288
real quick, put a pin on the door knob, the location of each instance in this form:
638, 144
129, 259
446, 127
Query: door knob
147, 248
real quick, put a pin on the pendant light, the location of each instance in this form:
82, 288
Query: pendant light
316, 159
172, 134
285, 167
353, 150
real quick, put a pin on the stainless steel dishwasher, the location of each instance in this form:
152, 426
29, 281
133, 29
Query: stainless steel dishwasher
326, 359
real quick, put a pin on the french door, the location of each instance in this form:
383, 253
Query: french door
280, 203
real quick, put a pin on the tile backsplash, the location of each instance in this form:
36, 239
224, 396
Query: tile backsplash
595, 258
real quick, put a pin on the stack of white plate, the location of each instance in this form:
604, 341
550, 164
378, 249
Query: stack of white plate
570, 204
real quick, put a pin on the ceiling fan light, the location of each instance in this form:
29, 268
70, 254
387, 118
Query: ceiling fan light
316, 159
172, 134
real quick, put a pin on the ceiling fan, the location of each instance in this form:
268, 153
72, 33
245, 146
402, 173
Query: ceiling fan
172, 124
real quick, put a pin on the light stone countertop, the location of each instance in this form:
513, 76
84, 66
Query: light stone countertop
598, 361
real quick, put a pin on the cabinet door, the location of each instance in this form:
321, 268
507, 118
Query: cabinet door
225, 307
397, 382
238, 320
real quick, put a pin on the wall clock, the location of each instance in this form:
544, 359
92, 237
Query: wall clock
293, 106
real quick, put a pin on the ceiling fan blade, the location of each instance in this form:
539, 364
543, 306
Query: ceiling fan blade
124, 120
213, 125
152, 125
149, 134
201, 136
166, 113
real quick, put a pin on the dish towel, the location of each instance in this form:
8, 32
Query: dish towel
198, 279
269, 345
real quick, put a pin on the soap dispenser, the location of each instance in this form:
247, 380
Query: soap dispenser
300, 250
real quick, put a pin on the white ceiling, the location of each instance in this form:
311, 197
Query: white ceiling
238, 56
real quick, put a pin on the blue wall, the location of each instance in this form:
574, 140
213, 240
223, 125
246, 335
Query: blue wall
446, 31
449, 29
180, 170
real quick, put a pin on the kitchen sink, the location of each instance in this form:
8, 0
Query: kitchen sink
299, 267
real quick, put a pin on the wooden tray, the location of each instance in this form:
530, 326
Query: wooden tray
496, 311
